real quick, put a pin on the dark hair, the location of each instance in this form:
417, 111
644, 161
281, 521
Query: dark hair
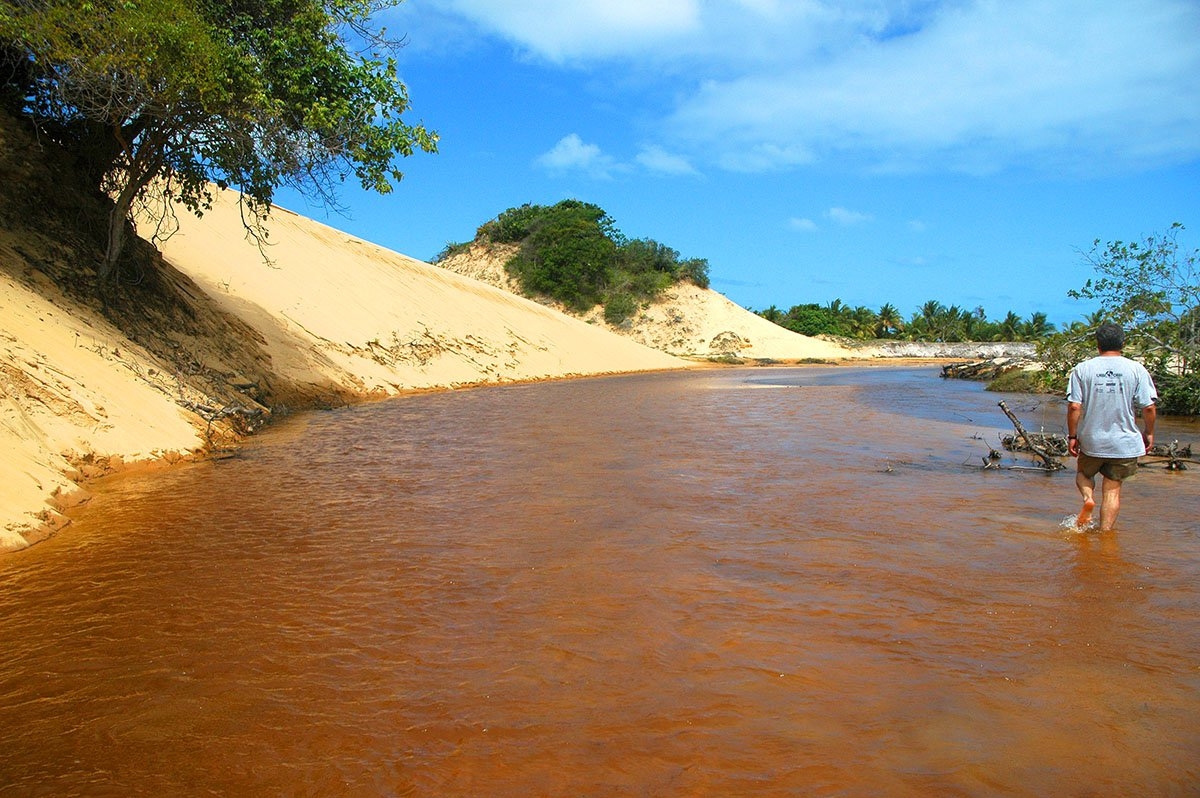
1110, 337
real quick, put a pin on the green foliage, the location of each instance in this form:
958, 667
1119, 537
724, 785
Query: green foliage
888, 321
572, 252
1179, 394
181, 94
695, 271
1152, 289
811, 319
933, 321
451, 249
619, 306
1059, 353
512, 226
566, 256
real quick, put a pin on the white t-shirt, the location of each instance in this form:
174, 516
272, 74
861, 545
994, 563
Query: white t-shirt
1110, 388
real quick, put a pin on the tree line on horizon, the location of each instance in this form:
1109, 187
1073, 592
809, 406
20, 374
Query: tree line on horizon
932, 321
1150, 287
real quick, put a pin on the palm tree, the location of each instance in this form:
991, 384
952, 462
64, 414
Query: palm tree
888, 320
1037, 327
931, 310
863, 322
1010, 328
772, 314
956, 324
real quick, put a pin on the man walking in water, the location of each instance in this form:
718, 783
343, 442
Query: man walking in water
1104, 394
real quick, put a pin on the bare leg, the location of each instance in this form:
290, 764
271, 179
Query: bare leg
1110, 504
1087, 489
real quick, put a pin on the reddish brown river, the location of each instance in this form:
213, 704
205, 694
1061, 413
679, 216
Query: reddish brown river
792, 582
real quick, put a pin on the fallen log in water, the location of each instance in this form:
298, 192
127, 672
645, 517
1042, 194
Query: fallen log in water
1177, 457
1048, 461
1172, 449
1053, 442
988, 369
1172, 456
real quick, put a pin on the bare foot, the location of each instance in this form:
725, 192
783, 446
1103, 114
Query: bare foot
1085, 515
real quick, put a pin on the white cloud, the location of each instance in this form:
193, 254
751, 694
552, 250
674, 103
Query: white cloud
971, 86
656, 159
763, 157
562, 31
846, 217
572, 154
803, 225
981, 86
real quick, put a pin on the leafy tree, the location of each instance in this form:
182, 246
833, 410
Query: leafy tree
926, 321
1010, 327
566, 256
933, 321
695, 271
165, 98
1153, 289
811, 319
936, 322
619, 306
860, 322
1058, 353
645, 266
573, 252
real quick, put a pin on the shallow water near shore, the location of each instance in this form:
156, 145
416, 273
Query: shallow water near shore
726, 582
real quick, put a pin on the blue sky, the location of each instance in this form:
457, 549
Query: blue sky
871, 151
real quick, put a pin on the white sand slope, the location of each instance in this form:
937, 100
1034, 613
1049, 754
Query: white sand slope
335, 308
689, 320
331, 312
76, 394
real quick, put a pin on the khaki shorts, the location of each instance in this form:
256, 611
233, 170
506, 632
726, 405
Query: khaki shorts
1117, 468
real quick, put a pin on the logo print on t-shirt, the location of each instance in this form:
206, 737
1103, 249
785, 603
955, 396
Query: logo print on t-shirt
1108, 382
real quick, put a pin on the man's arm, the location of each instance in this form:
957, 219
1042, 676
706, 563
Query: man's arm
1149, 416
1074, 412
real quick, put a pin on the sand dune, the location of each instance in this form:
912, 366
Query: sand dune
329, 316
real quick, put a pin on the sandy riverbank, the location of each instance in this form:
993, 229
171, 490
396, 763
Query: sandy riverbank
328, 318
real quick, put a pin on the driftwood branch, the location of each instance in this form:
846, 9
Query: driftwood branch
1176, 456
245, 420
1053, 442
1048, 461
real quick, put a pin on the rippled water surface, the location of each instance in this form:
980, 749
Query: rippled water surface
731, 582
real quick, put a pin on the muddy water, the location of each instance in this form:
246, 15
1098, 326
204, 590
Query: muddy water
748, 582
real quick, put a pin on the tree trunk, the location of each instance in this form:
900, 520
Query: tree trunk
138, 174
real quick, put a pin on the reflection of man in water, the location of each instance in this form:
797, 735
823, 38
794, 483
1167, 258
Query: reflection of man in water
1103, 396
